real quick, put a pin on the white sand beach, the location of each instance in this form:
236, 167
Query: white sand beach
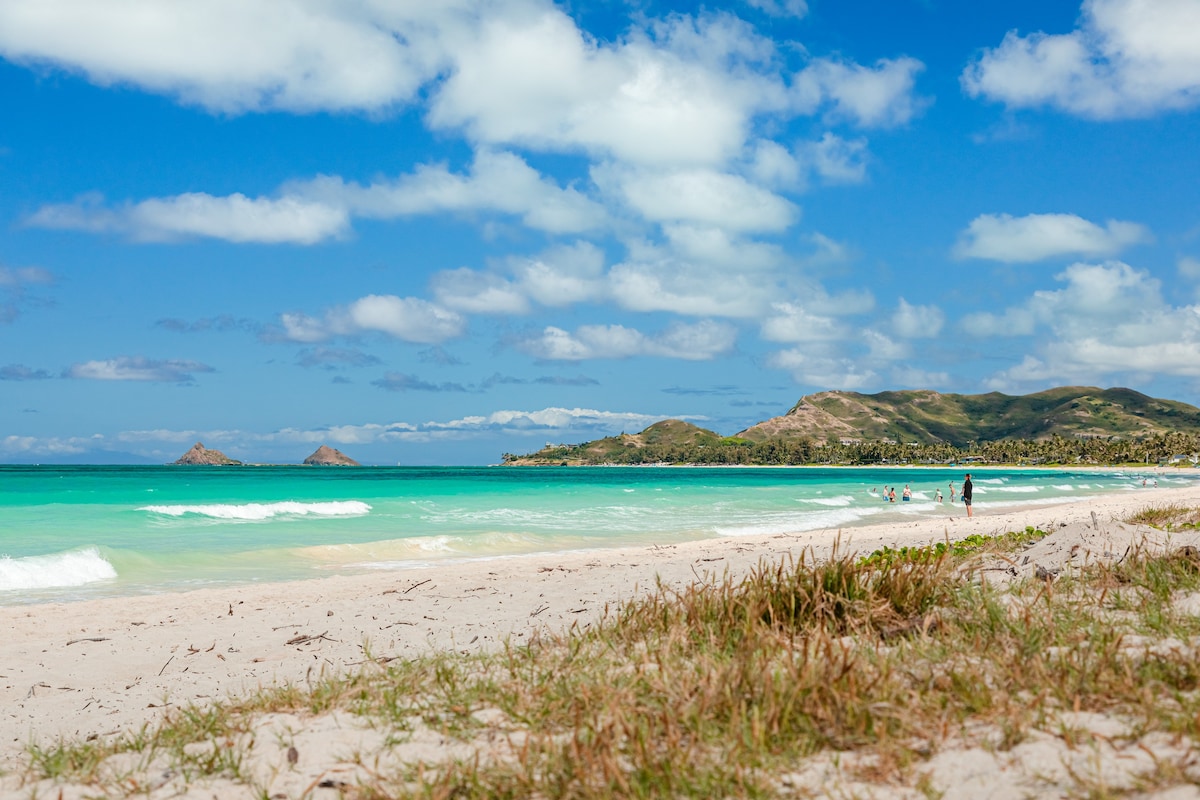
97, 667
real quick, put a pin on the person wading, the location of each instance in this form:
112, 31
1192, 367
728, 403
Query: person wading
966, 493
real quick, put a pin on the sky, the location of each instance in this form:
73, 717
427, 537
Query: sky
434, 233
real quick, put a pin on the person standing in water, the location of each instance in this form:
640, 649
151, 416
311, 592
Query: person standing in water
966, 493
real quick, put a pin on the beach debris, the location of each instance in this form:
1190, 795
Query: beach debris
88, 639
33, 689
306, 639
293, 755
164, 666
540, 609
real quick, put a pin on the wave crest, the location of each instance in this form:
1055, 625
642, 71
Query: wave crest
257, 511
72, 568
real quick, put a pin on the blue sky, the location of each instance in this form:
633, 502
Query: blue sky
431, 233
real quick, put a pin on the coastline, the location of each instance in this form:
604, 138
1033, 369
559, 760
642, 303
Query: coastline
95, 667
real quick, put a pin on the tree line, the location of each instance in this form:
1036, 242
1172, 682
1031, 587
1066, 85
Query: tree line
801, 451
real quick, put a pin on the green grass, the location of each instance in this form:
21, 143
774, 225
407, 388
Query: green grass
718, 689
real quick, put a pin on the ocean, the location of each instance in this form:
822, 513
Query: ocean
71, 533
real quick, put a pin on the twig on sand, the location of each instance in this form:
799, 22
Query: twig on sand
88, 639
539, 610
304, 639
164, 666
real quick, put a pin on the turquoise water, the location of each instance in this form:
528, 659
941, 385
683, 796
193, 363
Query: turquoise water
78, 532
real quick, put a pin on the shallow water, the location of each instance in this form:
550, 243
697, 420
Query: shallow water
78, 532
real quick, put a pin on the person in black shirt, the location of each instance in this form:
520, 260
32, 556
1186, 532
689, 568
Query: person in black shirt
966, 493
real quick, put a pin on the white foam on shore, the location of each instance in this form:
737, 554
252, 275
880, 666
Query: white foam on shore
839, 501
258, 511
72, 568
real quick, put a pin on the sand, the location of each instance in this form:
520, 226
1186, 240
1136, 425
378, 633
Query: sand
94, 668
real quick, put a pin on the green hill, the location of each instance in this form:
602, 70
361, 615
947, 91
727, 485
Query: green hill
928, 417
944, 426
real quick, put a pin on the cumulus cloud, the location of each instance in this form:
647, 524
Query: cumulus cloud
917, 322
790, 322
496, 181
1002, 237
693, 342
875, 97
138, 368
237, 55
410, 319
233, 218
820, 370
1108, 319
1127, 58
701, 196
682, 91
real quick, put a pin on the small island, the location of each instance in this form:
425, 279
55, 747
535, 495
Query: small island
326, 456
201, 456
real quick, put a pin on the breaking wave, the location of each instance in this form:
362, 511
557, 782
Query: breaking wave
257, 511
72, 568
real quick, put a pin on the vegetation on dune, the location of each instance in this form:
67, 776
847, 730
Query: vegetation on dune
725, 688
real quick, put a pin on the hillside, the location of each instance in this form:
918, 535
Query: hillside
661, 436
928, 417
944, 426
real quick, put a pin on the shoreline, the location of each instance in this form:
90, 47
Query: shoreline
94, 667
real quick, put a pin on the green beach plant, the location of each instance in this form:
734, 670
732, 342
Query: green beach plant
721, 688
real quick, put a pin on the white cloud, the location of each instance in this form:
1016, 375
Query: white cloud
828, 373
234, 218
831, 159
700, 196
684, 92
1127, 58
793, 323
700, 341
1109, 319
836, 160
238, 55
874, 97
476, 292
497, 181
410, 319
917, 322
562, 275
138, 368
1002, 237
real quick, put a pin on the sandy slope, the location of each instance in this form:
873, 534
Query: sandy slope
92, 668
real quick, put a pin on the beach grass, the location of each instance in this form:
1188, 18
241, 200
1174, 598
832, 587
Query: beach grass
863, 667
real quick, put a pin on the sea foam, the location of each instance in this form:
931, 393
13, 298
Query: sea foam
257, 511
72, 568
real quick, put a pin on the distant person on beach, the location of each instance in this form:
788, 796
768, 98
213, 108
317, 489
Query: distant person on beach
907, 493
966, 493
939, 495
951, 491
892, 495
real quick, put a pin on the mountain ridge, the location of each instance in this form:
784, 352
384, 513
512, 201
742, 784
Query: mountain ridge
923, 418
